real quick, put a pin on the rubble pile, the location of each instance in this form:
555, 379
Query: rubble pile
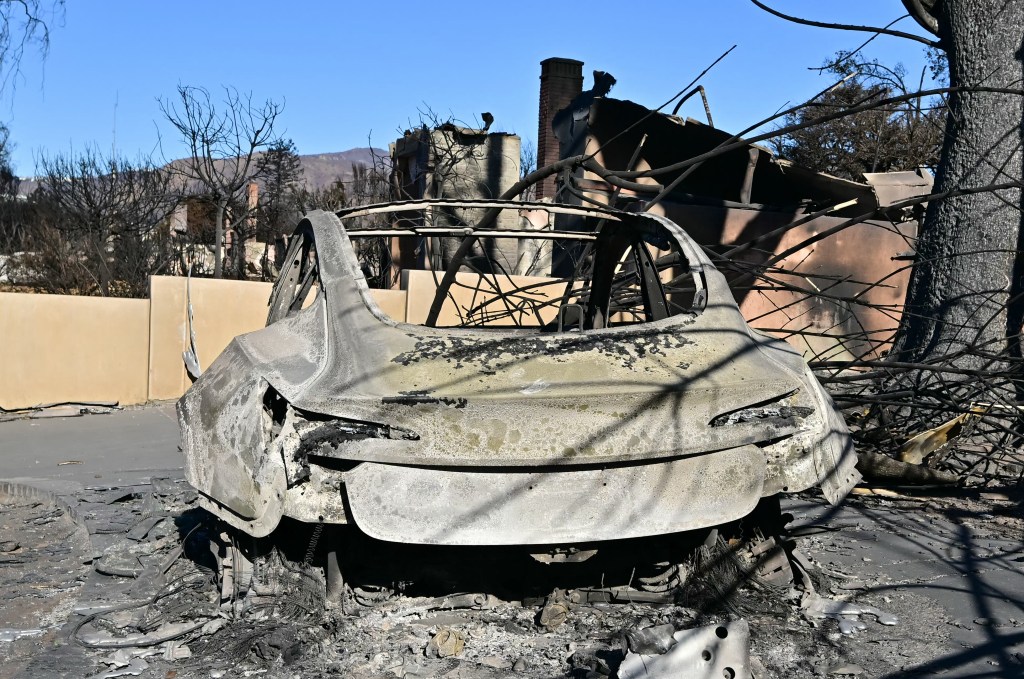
160, 589
171, 594
42, 555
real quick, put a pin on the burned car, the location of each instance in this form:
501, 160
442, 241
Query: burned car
586, 379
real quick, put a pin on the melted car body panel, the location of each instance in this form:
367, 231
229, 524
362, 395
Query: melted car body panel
720, 414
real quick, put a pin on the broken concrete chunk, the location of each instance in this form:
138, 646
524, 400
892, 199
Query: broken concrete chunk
445, 644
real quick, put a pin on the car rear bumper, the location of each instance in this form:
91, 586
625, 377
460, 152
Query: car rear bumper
446, 506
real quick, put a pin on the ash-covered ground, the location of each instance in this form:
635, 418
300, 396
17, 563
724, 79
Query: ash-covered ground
903, 586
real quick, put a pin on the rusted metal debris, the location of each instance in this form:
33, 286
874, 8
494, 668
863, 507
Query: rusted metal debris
616, 392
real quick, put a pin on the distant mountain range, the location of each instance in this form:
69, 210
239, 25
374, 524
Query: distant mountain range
318, 169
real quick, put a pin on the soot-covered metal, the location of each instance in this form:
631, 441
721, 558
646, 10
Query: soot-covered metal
603, 386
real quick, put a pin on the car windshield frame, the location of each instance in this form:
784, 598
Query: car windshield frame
626, 253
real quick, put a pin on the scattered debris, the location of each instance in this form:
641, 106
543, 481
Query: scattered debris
134, 668
42, 558
555, 611
245, 608
445, 644
652, 640
710, 652
817, 607
8, 635
917, 449
62, 409
878, 467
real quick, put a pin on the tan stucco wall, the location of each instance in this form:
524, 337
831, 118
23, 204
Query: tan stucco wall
392, 303
471, 291
221, 310
64, 348
167, 337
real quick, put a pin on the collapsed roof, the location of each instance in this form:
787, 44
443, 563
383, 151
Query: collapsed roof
748, 175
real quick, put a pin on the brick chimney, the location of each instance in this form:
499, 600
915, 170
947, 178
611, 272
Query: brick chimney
560, 81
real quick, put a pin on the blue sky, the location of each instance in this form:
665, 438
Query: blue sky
349, 71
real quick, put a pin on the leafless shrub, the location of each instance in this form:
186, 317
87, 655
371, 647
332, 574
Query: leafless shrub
225, 141
99, 224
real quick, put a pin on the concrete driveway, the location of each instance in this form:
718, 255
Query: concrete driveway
123, 447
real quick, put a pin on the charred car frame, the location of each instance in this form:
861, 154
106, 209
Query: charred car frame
613, 390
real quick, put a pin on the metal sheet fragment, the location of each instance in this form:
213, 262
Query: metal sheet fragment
710, 652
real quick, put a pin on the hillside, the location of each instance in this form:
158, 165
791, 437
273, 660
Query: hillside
318, 169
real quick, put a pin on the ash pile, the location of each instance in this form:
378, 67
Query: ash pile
176, 593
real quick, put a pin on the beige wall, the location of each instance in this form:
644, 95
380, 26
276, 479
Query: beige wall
63, 348
392, 303
475, 292
221, 310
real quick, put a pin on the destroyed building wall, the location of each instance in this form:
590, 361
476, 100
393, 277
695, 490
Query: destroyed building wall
747, 194
459, 163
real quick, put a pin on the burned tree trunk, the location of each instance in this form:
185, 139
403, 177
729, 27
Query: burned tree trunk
961, 325
963, 302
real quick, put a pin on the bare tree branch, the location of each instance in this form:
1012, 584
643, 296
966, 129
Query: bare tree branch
224, 144
846, 27
24, 23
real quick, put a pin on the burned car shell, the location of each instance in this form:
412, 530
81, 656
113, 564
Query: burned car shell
339, 414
